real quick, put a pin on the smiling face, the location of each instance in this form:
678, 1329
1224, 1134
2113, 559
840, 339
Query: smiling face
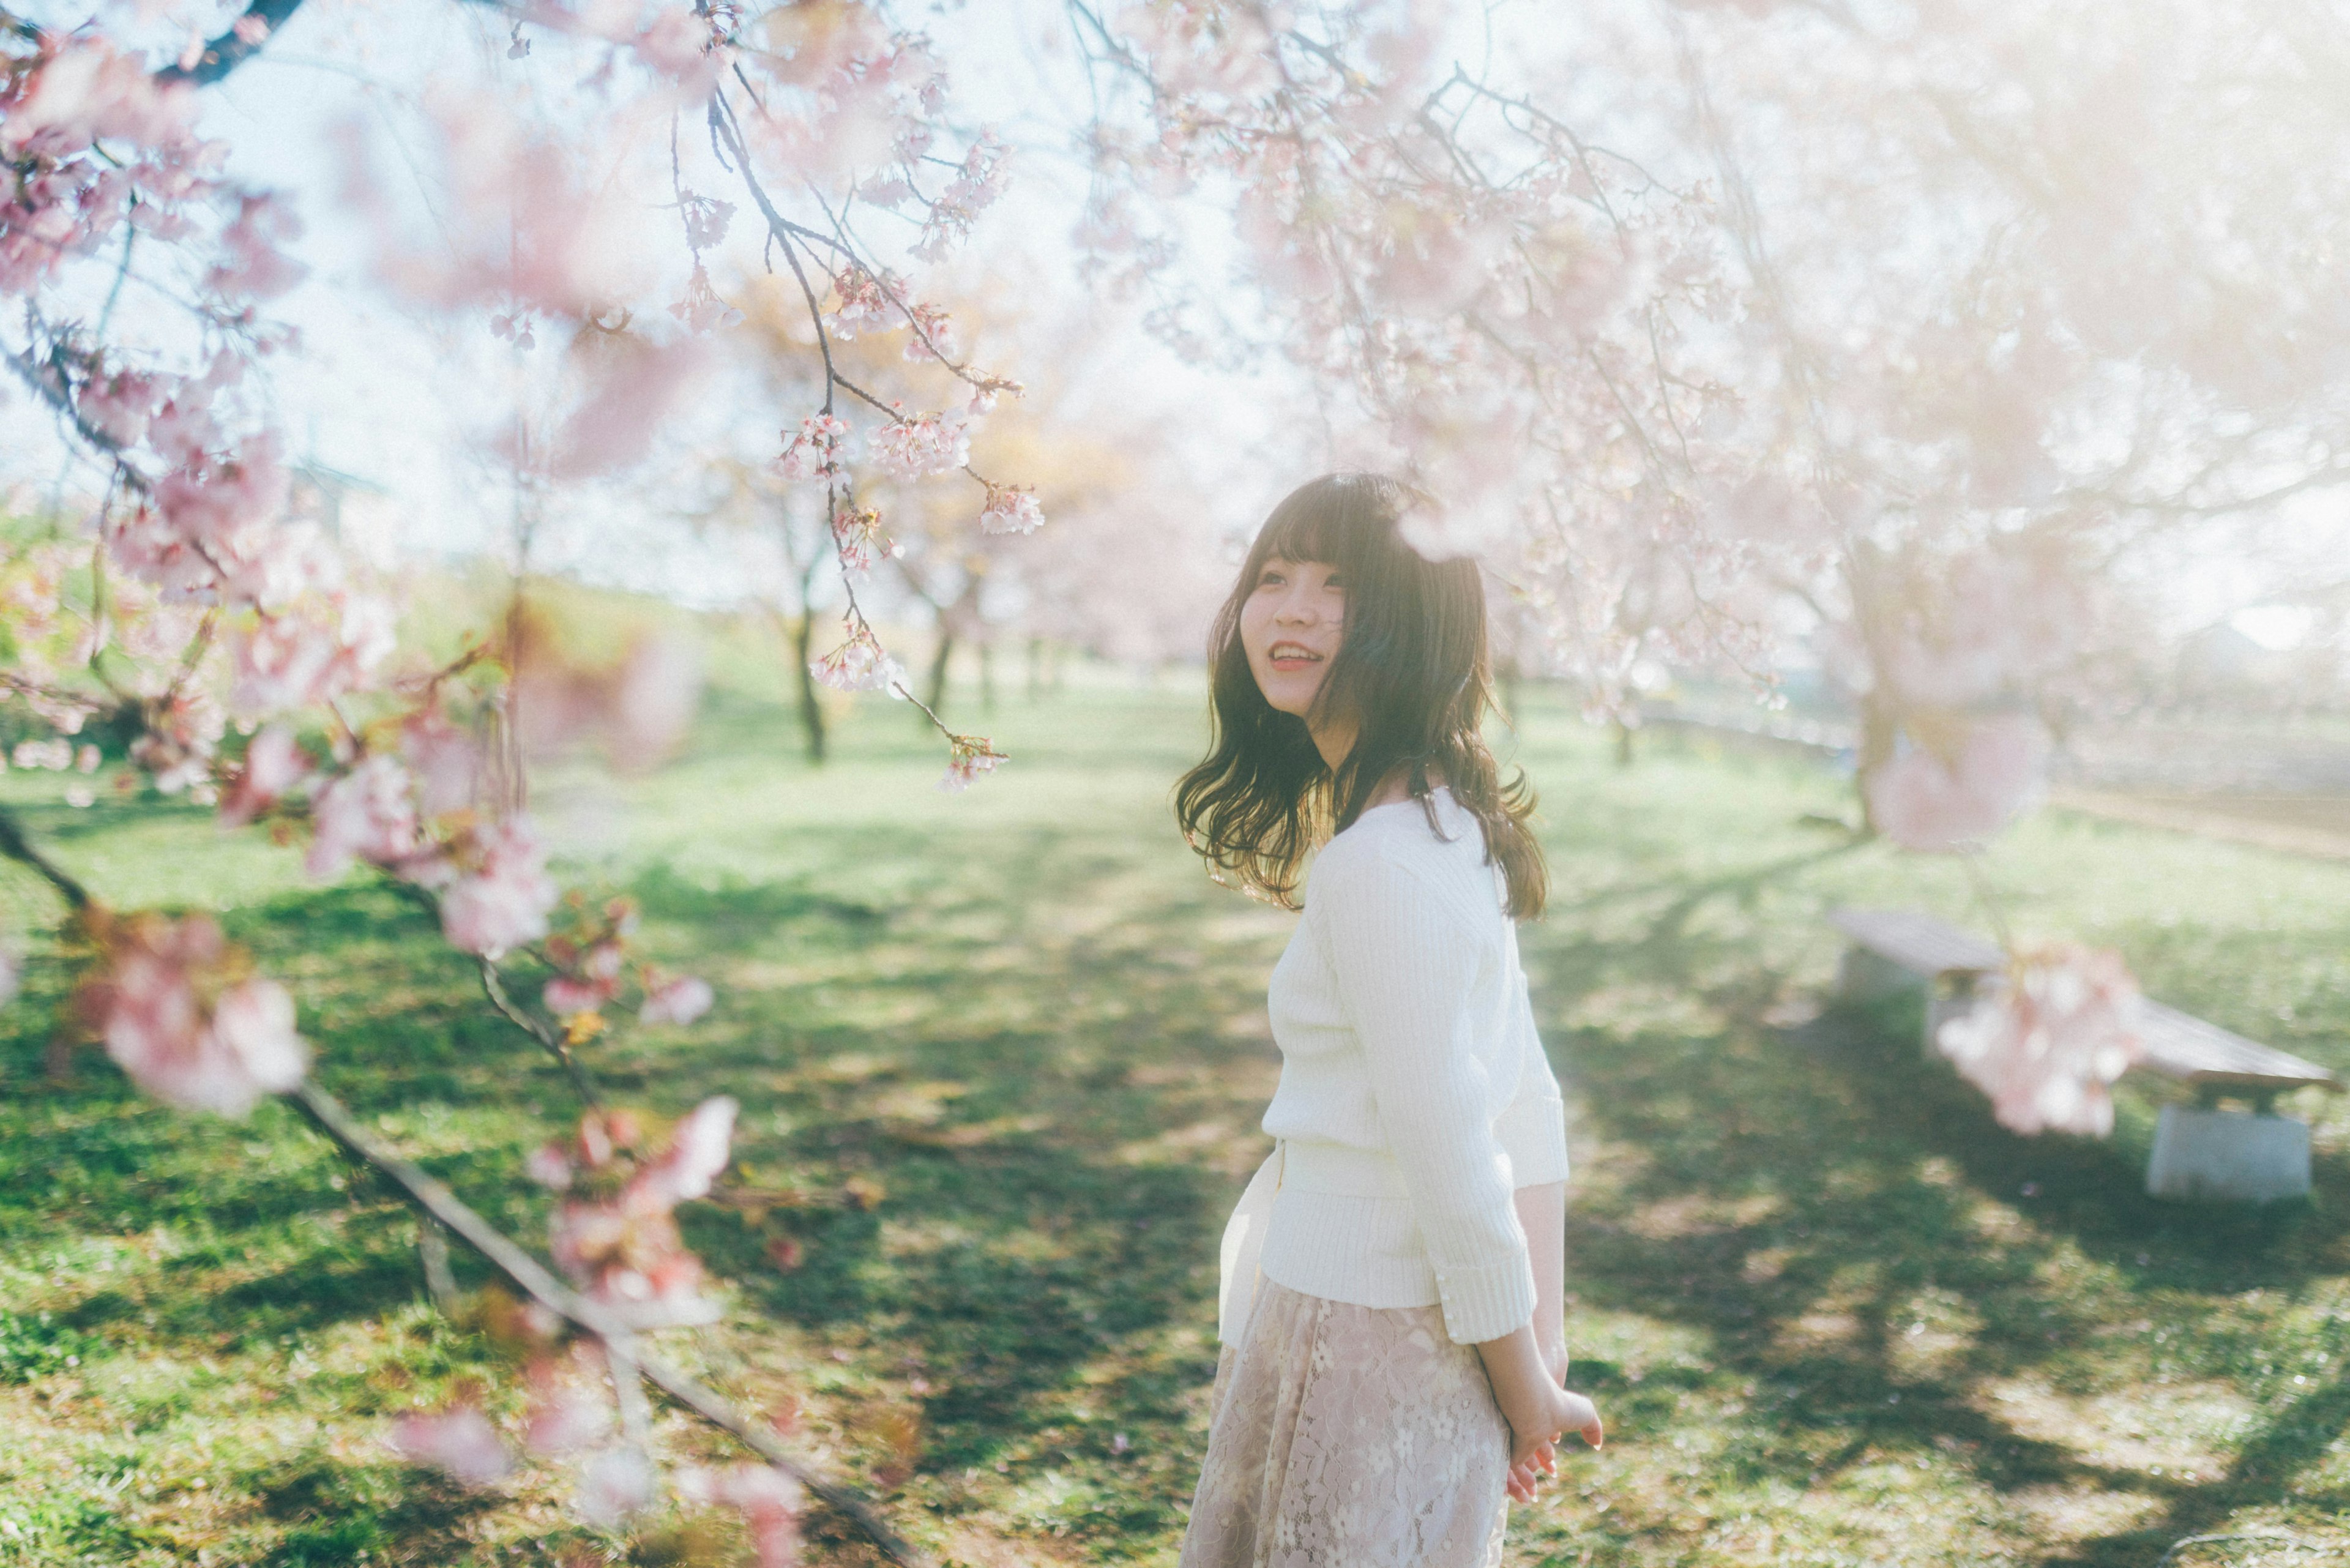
1291, 625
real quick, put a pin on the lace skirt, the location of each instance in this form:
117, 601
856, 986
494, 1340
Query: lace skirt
1349, 1436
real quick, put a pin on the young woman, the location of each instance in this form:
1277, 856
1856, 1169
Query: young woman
1394, 1350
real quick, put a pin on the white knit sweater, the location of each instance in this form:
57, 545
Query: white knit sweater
1414, 1096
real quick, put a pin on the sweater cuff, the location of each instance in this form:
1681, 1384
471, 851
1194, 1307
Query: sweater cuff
1533, 1133
1488, 1302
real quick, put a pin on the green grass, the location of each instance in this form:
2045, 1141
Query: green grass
1832, 1313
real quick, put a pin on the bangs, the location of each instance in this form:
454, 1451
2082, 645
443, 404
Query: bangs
1340, 521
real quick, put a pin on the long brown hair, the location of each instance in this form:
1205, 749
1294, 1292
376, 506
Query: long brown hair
1411, 670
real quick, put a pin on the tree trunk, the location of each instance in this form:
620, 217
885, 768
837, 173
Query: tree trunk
987, 678
1623, 741
1036, 669
811, 700
937, 693
1511, 690
1878, 730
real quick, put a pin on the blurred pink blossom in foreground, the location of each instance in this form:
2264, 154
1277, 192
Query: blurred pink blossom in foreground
680, 1002
2047, 1044
176, 1018
624, 1253
614, 1483
274, 764
1921, 800
458, 1440
503, 903
569, 1406
769, 1500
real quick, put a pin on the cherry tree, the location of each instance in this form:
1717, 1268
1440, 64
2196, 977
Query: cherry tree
252, 668
1918, 319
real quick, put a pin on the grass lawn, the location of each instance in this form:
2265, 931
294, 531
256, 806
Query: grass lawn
1010, 1048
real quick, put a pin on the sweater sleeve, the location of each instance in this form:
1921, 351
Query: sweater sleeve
1406, 957
1533, 1130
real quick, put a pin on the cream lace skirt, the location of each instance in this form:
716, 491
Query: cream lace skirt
1349, 1436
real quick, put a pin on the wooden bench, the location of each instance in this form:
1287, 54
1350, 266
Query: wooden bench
2202, 1150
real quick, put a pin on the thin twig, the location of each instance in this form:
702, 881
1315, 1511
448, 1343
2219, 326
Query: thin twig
494, 989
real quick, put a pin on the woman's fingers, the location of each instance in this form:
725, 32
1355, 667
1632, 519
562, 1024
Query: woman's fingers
1584, 1416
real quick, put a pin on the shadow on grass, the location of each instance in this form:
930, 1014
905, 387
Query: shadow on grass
1867, 1169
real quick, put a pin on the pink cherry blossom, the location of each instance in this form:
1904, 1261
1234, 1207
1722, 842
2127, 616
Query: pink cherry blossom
933, 335
625, 1252
209, 499
968, 757
698, 1150
814, 454
458, 1440
861, 664
150, 1007
2047, 1042
504, 902
614, 1483
1922, 802
253, 267
569, 1409
85, 91
769, 1502
549, 1164
182, 731
565, 996
445, 761
857, 535
274, 764
926, 444
978, 182
633, 386
1011, 509
368, 814
309, 652
866, 302
678, 1002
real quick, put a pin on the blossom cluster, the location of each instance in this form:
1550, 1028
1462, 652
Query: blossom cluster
1010, 509
613, 1233
1963, 781
861, 664
177, 1006
2047, 1039
922, 445
814, 452
969, 756
590, 956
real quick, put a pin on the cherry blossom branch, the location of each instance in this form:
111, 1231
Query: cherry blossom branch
493, 987
243, 39
440, 1206
17, 848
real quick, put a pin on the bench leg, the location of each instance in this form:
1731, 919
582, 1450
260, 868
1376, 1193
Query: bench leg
2229, 1155
1865, 976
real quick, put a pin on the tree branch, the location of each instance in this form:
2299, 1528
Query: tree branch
330, 1116
17, 848
234, 48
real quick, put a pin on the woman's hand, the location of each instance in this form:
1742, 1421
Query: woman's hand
1538, 1409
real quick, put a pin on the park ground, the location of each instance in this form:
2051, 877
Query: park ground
1002, 1056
